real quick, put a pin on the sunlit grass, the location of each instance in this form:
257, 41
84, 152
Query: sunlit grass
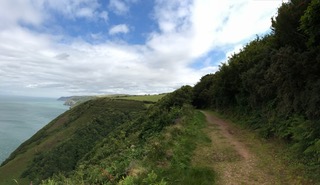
174, 153
150, 98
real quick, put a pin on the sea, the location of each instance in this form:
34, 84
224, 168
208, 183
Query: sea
22, 117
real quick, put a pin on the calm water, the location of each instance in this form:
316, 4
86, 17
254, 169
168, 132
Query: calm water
21, 117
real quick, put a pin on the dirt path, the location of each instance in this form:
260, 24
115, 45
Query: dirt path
228, 133
231, 156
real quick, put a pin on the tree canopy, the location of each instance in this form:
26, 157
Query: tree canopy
274, 81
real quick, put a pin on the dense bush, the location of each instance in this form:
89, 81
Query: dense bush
273, 83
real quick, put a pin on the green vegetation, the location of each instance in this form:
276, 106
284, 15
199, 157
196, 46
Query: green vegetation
73, 101
145, 98
273, 84
140, 157
265, 161
115, 141
59, 146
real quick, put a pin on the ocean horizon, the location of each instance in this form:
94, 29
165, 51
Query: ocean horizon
21, 117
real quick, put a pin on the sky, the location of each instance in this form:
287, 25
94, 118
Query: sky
54, 48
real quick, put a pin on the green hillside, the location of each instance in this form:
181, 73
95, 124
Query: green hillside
271, 87
73, 101
59, 145
115, 141
156, 148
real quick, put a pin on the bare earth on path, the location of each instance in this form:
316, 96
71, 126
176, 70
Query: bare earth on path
234, 157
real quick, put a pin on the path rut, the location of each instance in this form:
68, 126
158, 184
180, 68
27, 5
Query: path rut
235, 163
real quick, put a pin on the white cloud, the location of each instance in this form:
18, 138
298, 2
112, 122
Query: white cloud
120, 28
96, 36
119, 7
104, 15
172, 16
35, 12
33, 62
246, 20
11, 12
202, 25
71, 8
84, 12
62, 56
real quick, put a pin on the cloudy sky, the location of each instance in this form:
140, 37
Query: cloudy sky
79, 47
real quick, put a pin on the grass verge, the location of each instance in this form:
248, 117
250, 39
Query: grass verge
146, 98
171, 154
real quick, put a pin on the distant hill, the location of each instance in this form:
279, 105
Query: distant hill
64, 98
75, 100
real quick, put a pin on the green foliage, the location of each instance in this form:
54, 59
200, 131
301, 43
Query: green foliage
152, 179
179, 152
151, 99
179, 97
64, 142
272, 85
286, 24
156, 148
310, 23
202, 91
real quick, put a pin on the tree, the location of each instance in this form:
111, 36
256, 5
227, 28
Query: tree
310, 23
286, 25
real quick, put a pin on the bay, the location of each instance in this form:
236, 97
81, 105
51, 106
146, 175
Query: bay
22, 117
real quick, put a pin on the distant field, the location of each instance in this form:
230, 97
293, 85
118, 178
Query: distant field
151, 98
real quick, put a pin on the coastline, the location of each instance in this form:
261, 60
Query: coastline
21, 117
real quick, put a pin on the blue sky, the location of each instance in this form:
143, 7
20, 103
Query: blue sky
85, 47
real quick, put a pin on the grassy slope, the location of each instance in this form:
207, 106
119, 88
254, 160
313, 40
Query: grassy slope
142, 154
150, 98
156, 148
58, 132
